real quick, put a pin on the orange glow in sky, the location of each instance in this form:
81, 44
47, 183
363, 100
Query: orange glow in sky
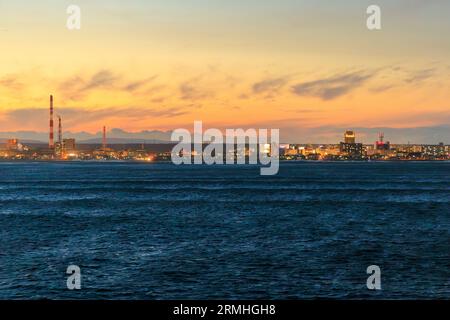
161, 65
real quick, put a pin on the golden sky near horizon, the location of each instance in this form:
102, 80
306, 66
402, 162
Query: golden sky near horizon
159, 65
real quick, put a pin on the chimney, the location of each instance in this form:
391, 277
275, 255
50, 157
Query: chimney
51, 142
59, 131
104, 138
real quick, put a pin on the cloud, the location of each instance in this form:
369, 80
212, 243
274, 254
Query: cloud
190, 92
332, 87
133, 86
420, 75
382, 88
73, 117
158, 99
293, 129
77, 87
11, 82
269, 85
397, 76
101, 79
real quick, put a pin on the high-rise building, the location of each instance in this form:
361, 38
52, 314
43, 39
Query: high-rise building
349, 137
349, 147
353, 150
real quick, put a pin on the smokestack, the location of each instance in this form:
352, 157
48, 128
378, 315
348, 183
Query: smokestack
51, 142
104, 138
59, 131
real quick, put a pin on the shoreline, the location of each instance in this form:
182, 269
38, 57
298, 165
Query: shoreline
170, 162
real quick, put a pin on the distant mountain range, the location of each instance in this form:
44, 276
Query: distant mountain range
123, 141
329, 134
114, 136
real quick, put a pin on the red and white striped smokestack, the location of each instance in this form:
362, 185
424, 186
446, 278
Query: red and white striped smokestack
104, 138
51, 141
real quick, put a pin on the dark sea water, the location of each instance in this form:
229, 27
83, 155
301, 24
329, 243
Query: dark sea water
157, 231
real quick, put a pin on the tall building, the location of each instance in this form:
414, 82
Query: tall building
349, 137
350, 148
353, 150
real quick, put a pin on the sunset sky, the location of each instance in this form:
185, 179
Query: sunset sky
301, 66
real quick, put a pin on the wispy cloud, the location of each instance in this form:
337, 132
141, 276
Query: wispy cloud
102, 79
382, 88
269, 85
135, 85
420, 75
77, 86
11, 82
191, 92
72, 117
332, 87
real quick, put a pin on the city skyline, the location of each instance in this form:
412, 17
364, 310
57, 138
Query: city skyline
366, 136
310, 69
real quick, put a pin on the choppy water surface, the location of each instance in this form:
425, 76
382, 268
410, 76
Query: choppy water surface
158, 231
